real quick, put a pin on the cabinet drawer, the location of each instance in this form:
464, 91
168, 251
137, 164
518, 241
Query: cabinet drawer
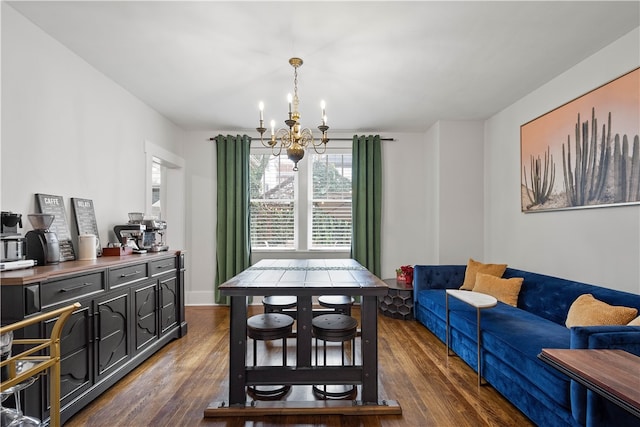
123, 275
162, 266
72, 288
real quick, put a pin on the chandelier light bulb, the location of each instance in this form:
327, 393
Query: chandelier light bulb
261, 108
273, 127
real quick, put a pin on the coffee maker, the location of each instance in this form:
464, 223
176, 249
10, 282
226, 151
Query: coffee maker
42, 245
153, 237
12, 241
143, 234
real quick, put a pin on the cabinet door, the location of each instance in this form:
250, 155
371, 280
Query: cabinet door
146, 314
169, 300
112, 341
76, 356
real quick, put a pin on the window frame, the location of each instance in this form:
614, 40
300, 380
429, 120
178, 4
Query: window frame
303, 201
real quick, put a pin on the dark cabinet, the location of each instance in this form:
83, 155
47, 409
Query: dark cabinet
112, 340
130, 308
146, 314
76, 375
169, 301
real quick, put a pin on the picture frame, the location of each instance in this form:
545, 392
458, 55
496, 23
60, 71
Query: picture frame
85, 218
54, 205
585, 153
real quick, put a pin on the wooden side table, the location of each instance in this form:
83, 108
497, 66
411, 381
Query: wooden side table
608, 372
398, 303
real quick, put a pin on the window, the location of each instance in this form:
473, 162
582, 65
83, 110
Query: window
156, 184
331, 201
305, 210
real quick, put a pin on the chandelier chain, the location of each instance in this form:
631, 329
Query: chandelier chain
295, 89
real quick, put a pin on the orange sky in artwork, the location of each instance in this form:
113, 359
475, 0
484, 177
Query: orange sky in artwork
621, 97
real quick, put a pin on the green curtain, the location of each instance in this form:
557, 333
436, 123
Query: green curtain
233, 248
367, 201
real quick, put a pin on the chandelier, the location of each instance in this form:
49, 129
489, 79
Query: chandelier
293, 138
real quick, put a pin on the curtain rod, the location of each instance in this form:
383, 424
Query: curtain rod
330, 139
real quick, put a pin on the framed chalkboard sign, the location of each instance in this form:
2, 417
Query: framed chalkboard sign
54, 205
85, 217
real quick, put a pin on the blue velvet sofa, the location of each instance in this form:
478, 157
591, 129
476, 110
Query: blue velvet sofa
512, 338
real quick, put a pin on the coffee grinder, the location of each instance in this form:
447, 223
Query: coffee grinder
42, 245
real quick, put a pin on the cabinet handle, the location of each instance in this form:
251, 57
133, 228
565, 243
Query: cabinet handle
130, 274
75, 288
164, 266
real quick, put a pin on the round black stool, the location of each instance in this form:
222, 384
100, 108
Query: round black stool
267, 327
340, 303
277, 303
335, 328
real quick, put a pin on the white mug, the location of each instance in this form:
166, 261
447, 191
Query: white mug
87, 247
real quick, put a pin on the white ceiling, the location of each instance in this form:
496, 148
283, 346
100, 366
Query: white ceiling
381, 66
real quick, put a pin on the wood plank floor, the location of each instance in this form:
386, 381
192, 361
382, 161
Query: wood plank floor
175, 386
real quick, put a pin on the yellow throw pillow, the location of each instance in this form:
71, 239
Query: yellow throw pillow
474, 267
505, 290
588, 311
634, 322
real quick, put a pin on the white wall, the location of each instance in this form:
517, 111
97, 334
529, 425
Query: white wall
69, 130
405, 219
599, 246
460, 222
200, 194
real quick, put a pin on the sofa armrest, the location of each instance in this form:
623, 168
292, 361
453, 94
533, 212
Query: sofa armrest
618, 337
607, 337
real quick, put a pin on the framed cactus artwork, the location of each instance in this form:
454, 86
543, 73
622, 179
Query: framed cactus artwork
585, 153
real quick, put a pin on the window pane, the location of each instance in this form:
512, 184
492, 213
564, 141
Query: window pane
331, 201
272, 207
272, 224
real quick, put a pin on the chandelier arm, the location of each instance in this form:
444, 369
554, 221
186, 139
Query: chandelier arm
285, 137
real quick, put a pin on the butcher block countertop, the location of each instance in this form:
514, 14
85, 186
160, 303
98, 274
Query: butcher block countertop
48, 272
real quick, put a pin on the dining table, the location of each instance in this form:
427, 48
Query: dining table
304, 279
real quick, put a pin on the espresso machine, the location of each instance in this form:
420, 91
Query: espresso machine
129, 234
153, 237
143, 235
42, 245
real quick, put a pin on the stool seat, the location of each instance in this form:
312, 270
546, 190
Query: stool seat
340, 303
269, 326
280, 301
334, 327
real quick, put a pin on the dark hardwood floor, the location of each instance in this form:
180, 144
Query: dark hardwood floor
175, 386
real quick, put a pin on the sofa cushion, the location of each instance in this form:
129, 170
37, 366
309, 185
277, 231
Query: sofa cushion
505, 290
589, 311
474, 267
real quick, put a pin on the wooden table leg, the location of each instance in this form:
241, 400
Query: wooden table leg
238, 351
304, 317
369, 349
